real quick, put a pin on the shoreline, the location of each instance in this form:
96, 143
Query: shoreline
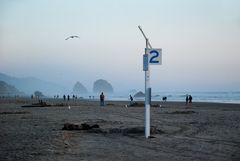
27, 99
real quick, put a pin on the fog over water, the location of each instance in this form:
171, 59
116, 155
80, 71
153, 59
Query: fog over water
200, 42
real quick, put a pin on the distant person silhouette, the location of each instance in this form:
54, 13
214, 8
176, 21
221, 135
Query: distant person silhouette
131, 99
164, 99
190, 99
68, 97
102, 99
64, 97
186, 99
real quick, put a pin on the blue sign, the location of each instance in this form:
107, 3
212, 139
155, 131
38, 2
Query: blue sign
154, 56
145, 62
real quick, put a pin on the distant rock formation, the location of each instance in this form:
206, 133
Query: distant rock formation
102, 86
29, 85
38, 94
139, 94
8, 90
79, 89
133, 91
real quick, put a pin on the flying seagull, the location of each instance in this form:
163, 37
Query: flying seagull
72, 37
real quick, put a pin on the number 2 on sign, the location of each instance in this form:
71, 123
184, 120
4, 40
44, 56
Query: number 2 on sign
154, 58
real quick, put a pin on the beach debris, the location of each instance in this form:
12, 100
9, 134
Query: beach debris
110, 104
69, 107
129, 130
156, 105
69, 126
44, 104
15, 112
136, 104
141, 130
95, 128
181, 112
60, 104
39, 104
83, 126
140, 104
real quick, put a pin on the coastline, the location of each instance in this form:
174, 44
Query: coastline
18, 99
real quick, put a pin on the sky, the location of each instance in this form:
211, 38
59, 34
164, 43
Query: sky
200, 41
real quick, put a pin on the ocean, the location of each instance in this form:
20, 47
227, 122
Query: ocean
220, 97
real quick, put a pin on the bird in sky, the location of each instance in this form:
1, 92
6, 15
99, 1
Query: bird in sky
72, 37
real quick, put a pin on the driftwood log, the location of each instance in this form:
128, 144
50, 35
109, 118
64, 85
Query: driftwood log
83, 126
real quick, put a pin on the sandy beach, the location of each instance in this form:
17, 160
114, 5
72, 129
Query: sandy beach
202, 131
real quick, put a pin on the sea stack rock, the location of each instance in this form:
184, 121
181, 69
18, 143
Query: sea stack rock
102, 86
79, 89
133, 91
139, 94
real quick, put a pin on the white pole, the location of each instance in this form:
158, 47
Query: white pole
147, 91
147, 101
147, 42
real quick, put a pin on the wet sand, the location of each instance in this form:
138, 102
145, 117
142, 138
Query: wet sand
202, 131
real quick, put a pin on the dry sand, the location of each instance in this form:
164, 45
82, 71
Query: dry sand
202, 131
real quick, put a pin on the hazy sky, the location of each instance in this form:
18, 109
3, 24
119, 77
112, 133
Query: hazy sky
200, 41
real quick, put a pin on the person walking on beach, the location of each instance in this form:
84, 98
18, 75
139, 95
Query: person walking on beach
68, 97
186, 99
131, 100
73, 97
190, 99
164, 99
102, 99
64, 97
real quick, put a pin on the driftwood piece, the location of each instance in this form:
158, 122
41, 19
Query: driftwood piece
83, 126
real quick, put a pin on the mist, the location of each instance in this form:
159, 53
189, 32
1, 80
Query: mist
199, 40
